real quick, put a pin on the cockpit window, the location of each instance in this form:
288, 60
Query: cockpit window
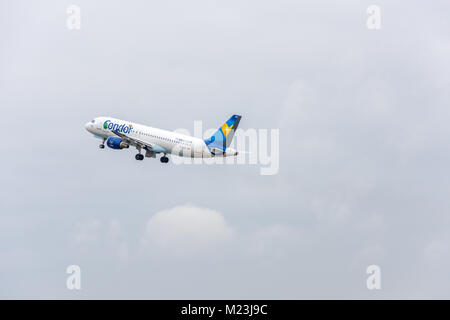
92, 121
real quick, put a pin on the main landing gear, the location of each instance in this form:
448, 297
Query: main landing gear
102, 145
164, 159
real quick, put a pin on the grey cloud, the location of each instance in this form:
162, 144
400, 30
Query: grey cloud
363, 120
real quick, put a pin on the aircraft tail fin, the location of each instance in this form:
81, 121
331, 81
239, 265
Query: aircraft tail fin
223, 137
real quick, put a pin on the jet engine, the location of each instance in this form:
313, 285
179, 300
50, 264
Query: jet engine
116, 143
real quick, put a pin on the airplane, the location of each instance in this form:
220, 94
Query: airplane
119, 134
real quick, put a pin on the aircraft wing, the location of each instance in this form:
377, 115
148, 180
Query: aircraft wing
138, 143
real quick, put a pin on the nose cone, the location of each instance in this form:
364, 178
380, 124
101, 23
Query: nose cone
88, 126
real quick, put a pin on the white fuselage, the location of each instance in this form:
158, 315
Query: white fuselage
162, 141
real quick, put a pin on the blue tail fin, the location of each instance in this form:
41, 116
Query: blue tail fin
222, 138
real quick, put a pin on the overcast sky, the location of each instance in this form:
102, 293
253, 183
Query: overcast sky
364, 149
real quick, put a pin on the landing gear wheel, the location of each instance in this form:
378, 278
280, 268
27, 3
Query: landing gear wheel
139, 156
102, 146
164, 159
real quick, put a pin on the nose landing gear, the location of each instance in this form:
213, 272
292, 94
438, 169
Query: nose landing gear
139, 157
102, 145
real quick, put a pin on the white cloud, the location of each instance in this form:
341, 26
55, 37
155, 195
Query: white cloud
185, 230
437, 251
273, 241
372, 254
114, 230
95, 234
86, 231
